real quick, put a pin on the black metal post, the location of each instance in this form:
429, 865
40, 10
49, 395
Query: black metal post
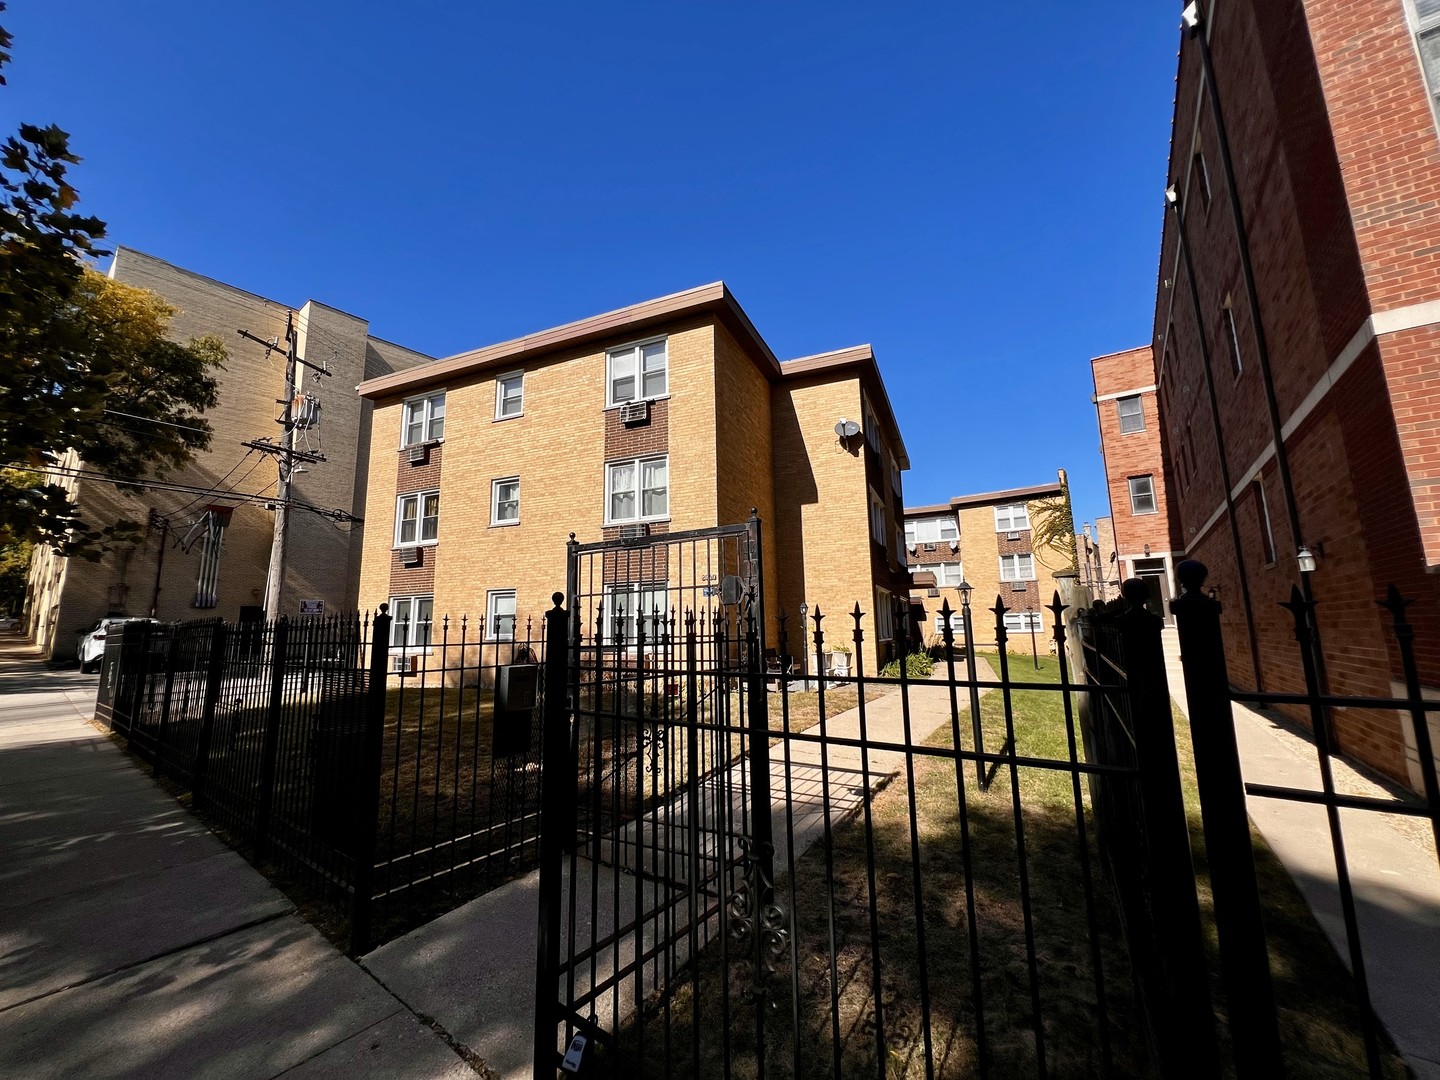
1184, 243
1034, 647
163, 734
214, 678
367, 811
1244, 957
270, 747
1183, 1017
975, 732
1415, 696
557, 780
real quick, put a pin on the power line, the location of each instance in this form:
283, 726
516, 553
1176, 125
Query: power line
154, 420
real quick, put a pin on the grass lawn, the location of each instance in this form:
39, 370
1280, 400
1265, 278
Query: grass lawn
1318, 1019
804, 706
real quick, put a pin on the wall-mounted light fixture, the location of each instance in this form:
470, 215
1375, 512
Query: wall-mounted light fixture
1305, 557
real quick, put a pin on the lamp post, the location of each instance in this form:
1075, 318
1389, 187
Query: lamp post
965, 589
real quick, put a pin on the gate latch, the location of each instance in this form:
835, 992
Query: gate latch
574, 1056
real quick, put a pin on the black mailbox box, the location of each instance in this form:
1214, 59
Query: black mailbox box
516, 691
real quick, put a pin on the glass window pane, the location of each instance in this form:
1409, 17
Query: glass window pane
400, 627
430, 523
408, 508
657, 491
414, 432
622, 375
653, 366
424, 614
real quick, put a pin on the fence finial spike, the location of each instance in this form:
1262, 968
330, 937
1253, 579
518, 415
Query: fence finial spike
1394, 602
945, 608
558, 598
999, 609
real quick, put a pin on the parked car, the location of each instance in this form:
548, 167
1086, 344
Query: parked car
92, 645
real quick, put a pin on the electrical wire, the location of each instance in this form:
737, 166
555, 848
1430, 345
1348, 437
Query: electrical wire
218, 484
153, 420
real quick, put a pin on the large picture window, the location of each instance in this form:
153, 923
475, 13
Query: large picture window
637, 490
932, 530
948, 575
424, 420
417, 518
412, 617
637, 371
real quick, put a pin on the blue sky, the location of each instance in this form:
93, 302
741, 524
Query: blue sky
978, 193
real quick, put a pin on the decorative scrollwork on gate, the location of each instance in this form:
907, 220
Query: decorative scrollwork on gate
759, 927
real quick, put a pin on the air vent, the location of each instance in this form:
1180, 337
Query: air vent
410, 556
635, 412
1012, 536
634, 532
419, 453
1019, 586
404, 665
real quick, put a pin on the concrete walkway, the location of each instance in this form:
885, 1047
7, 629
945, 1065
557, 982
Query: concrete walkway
134, 944
479, 981
1393, 870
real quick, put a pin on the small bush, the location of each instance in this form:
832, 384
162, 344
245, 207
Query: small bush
917, 666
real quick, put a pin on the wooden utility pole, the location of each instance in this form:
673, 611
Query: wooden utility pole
285, 455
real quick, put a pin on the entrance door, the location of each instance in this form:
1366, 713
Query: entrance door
1152, 572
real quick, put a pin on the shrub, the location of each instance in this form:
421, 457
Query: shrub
917, 666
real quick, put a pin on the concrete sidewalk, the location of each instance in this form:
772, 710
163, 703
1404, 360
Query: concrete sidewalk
134, 944
478, 980
1393, 870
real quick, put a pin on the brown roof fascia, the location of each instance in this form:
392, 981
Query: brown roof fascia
1039, 491
714, 297
917, 511
856, 356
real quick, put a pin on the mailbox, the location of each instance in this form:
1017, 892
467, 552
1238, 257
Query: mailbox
516, 688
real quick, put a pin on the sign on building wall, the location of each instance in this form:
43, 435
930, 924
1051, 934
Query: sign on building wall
312, 607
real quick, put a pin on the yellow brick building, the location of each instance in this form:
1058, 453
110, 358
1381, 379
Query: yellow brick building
663, 417
986, 541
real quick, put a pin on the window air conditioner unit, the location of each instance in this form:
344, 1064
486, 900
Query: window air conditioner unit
419, 454
1018, 586
404, 665
1012, 535
933, 593
929, 547
634, 532
635, 412
410, 556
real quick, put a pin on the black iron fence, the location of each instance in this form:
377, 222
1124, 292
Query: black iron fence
386, 769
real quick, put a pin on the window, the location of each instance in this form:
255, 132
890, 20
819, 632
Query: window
948, 575
1232, 337
957, 624
872, 426
1267, 536
1200, 179
424, 419
1142, 495
625, 604
1017, 567
894, 475
884, 625
1132, 414
500, 615
637, 490
417, 518
413, 616
636, 371
877, 518
1427, 38
505, 501
900, 545
932, 530
1024, 621
509, 395
1013, 517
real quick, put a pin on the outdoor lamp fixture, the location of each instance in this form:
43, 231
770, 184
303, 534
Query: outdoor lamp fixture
1171, 195
1306, 558
965, 590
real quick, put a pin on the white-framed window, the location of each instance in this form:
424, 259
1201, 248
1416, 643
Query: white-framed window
1142, 495
1232, 338
932, 530
1200, 179
957, 624
1425, 21
1017, 567
1131, 411
412, 617
417, 518
894, 475
872, 426
509, 395
899, 545
1012, 517
877, 518
1018, 622
500, 615
948, 575
424, 420
627, 604
505, 501
637, 490
1262, 508
884, 621
636, 371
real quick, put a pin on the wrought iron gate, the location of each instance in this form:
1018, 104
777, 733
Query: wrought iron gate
658, 873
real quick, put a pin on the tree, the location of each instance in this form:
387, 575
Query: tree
85, 365
1053, 523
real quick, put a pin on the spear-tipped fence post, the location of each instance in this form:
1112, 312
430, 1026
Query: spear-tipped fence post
270, 746
367, 812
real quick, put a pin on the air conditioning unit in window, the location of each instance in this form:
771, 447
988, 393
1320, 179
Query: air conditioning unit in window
635, 412
1012, 535
929, 547
419, 453
933, 593
404, 665
634, 532
1018, 586
410, 556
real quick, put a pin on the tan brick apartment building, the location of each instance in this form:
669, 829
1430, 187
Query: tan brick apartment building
1130, 443
987, 541
1330, 114
673, 415
1098, 559
213, 557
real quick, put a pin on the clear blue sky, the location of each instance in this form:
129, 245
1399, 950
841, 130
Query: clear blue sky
974, 189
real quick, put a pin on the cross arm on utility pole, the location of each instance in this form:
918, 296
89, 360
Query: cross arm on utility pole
274, 343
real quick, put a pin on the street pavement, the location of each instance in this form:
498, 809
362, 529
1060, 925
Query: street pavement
133, 943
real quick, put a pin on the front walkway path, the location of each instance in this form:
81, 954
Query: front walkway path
134, 944
1393, 869
473, 969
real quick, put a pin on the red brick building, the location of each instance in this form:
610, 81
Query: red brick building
1130, 441
1332, 131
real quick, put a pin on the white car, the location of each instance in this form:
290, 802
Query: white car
92, 645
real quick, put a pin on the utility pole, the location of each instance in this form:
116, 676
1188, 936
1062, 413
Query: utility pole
285, 456
164, 523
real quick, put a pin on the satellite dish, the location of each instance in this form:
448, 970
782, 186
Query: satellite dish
847, 428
